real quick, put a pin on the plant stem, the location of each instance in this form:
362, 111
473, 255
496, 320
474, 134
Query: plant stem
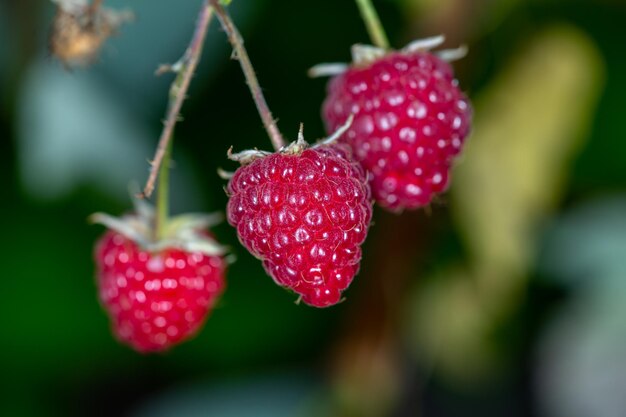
236, 41
372, 22
185, 68
163, 191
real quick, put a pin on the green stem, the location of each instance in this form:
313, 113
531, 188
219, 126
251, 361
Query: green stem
235, 39
163, 191
372, 22
184, 68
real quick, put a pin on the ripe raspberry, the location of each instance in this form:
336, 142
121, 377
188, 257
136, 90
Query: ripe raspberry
161, 296
410, 121
305, 214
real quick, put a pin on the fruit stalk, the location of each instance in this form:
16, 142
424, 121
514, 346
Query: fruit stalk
185, 67
235, 39
163, 192
372, 22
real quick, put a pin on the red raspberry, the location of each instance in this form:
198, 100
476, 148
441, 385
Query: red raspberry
410, 121
156, 298
305, 214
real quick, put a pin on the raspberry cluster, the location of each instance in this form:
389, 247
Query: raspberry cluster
305, 215
410, 121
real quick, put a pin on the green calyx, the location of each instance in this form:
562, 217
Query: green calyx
186, 232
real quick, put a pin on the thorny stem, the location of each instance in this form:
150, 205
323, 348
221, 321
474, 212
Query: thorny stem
236, 41
372, 22
185, 68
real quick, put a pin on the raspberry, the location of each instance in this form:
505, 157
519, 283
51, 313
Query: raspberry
410, 121
305, 214
157, 297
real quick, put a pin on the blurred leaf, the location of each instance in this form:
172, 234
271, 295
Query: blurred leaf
475, 17
588, 245
160, 35
529, 123
582, 355
452, 327
73, 132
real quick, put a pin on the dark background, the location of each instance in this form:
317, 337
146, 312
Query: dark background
442, 320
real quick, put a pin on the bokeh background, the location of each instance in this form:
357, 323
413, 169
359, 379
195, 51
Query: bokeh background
504, 298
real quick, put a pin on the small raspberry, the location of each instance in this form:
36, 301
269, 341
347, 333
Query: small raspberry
305, 214
160, 295
410, 121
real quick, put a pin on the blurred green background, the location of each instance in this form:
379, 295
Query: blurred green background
504, 298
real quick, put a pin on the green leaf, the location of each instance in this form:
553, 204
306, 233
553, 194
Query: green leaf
530, 122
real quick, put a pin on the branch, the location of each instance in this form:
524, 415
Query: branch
185, 68
235, 39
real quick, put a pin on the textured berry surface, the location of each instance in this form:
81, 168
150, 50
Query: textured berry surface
410, 121
155, 300
305, 216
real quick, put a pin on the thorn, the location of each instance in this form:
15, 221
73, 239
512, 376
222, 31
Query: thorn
301, 133
165, 68
162, 69
178, 65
